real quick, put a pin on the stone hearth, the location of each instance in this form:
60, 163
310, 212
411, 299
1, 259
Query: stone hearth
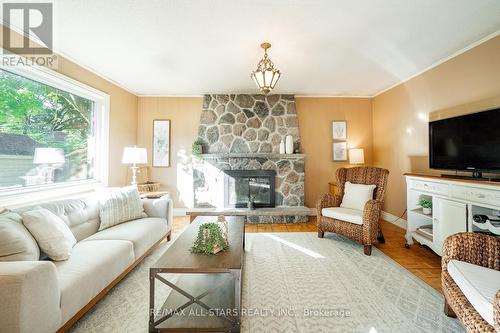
243, 132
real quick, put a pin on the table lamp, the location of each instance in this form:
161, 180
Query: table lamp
134, 155
356, 156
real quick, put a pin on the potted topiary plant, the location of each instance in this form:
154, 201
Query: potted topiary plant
197, 148
210, 240
426, 205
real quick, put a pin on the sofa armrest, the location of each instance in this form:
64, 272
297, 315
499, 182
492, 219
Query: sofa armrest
30, 297
161, 207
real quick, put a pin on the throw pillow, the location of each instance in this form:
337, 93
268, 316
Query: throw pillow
356, 195
16, 243
118, 205
53, 235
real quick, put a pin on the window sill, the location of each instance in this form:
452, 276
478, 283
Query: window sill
24, 196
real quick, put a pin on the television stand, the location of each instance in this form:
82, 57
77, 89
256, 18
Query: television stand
476, 175
454, 203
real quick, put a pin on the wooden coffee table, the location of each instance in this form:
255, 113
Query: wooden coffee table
206, 296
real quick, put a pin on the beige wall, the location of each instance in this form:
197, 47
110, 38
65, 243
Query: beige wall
467, 83
315, 121
184, 114
315, 117
122, 118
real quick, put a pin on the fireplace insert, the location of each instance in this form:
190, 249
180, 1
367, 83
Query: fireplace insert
249, 188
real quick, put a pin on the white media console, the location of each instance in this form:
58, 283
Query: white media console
454, 202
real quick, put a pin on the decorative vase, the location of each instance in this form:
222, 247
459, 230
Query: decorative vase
289, 144
282, 147
427, 211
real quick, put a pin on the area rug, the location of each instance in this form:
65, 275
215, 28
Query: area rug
296, 282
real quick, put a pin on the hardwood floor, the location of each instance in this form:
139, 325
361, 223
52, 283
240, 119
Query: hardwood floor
419, 260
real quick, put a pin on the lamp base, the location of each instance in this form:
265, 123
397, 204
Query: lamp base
134, 175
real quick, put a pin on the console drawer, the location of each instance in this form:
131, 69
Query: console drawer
479, 195
429, 186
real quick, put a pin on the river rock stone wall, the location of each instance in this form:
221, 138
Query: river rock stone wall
247, 123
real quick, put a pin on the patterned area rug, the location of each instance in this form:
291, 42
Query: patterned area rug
295, 282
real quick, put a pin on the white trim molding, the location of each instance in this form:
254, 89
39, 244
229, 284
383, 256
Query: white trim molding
23, 196
398, 221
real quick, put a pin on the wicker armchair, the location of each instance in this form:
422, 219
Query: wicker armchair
477, 249
369, 230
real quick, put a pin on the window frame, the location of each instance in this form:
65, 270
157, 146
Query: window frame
24, 195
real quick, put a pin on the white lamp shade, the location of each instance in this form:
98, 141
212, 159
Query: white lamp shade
48, 156
134, 155
356, 156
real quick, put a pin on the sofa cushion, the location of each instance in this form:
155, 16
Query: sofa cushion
345, 214
92, 266
478, 284
143, 233
118, 205
16, 242
51, 233
80, 215
356, 195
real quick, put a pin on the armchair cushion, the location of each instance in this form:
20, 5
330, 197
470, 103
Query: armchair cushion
356, 195
478, 284
344, 214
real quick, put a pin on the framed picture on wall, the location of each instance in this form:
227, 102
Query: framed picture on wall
339, 130
340, 151
161, 143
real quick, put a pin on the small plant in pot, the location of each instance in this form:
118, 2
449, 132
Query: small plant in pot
197, 148
426, 205
210, 240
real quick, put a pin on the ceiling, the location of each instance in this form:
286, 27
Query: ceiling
322, 47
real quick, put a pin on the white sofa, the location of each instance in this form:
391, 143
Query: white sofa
46, 296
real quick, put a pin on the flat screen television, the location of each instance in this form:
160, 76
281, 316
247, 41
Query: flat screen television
470, 142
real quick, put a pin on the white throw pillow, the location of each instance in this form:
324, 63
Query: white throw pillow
16, 242
117, 205
356, 195
51, 233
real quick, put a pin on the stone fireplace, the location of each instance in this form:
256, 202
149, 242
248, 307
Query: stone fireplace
242, 133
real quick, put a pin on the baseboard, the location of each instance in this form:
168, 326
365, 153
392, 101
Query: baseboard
180, 211
400, 222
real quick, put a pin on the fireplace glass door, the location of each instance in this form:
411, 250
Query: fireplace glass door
244, 186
